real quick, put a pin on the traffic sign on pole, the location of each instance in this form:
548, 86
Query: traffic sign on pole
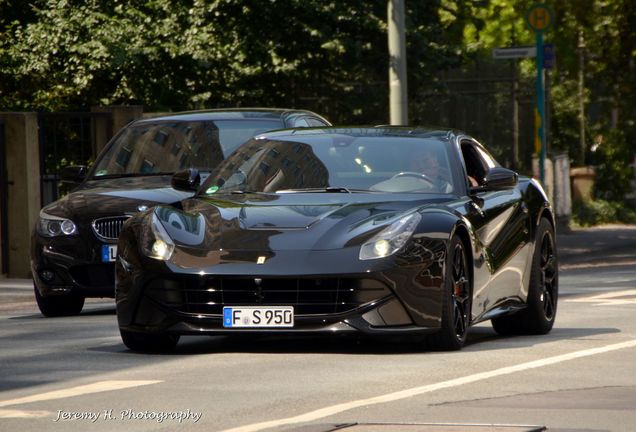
514, 52
548, 56
539, 18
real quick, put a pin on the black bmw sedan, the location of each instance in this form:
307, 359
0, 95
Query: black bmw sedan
74, 242
364, 231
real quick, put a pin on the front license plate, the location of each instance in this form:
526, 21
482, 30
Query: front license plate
256, 317
109, 253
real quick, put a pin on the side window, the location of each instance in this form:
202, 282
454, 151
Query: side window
315, 122
476, 166
486, 158
301, 122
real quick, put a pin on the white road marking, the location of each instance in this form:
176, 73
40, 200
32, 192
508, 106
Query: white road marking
13, 413
97, 387
416, 391
587, 265
608, 298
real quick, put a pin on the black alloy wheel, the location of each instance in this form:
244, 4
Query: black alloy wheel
539, 315
456, 301
461, 292
548, 276
58, 305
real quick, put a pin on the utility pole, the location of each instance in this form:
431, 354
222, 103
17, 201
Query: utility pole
397, 63
515, 115
582, 146
515, 107
540, 18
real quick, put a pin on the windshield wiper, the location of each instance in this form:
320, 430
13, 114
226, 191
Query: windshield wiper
328, 189
156, 174
124, 175
239, 192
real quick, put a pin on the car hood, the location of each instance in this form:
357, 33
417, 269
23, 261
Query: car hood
284, 222
126, 195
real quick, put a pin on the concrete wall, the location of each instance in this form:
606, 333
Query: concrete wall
548, 173
23, 175
562, 191
3, 186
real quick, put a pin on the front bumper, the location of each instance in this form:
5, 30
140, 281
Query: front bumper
398, 296
71, 265
385, 317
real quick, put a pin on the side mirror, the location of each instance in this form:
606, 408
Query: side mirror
499, 178
73, 174
187, 180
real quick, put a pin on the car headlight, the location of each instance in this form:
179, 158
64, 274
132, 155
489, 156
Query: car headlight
391, 239
54, 226
156, 243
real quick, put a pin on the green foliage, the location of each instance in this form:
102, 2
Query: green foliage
600, 212
328, 56
186, 54
613, 173
564, 121
595, 36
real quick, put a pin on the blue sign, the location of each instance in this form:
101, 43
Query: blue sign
549, 56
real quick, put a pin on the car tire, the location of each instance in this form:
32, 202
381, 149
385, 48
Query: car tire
145, 342
456, 301
58, 305
538, 316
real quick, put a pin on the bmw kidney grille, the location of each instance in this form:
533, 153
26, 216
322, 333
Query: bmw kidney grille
108, 228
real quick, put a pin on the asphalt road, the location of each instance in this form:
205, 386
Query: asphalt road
74, 374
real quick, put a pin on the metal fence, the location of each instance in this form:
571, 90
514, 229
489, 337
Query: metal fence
489, 101
66, 138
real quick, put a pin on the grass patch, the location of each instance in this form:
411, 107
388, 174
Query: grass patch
599, 212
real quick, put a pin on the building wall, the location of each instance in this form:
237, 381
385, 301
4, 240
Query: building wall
23, 164
3, 204
23, 178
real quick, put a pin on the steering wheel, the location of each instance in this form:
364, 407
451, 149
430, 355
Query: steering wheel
417, 175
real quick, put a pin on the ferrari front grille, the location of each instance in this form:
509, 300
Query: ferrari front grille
108, 228
309, 296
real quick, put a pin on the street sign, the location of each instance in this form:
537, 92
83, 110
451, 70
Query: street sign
539, 17
514, 52
548, 56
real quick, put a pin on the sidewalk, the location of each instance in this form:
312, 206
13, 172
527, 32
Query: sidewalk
597, 246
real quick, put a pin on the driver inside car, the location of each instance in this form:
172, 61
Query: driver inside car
427, 162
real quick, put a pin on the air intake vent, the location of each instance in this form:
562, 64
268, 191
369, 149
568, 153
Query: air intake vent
309, 296
109, 228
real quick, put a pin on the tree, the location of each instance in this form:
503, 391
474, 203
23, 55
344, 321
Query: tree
168, 54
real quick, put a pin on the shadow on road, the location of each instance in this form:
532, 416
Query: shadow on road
101, 311
480, 338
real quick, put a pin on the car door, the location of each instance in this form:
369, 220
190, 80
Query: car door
500, 220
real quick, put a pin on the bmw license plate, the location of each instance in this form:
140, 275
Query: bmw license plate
109, 253
255, 317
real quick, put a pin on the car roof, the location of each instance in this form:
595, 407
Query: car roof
232, 114
366, 131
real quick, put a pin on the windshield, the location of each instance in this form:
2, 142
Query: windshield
335, 163
170, 146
